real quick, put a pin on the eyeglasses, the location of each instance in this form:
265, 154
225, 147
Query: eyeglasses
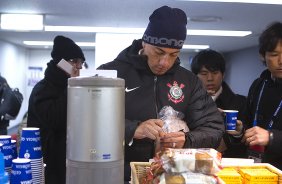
79, 62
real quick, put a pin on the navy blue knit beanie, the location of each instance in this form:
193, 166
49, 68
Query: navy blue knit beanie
167, 28
64, 47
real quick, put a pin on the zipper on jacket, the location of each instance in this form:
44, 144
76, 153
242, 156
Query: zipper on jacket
155, 93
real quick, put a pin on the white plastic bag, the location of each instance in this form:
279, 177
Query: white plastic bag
172, 120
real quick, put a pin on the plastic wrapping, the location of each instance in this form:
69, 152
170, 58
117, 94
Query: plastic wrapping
172, 120
204, 160
185, 166
187, 178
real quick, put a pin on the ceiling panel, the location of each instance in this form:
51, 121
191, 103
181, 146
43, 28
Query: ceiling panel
135, 13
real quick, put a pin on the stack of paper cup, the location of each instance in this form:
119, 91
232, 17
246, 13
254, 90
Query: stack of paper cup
6, 149
30, 148
14, 149
21, 171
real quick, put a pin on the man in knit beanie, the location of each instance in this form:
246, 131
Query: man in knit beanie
65, 48
167, 28
47, 108
155, 80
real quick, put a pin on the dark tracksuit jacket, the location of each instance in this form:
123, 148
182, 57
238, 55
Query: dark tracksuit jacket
178, 88
271, 97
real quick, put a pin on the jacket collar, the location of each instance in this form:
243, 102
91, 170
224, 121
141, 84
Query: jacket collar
266, 75
227, 93
55, 75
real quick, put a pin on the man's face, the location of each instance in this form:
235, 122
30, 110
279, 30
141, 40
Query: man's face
211, 79
77, 66
274, 61
160, 59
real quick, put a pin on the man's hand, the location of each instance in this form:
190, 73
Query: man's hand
150, 129
239, 129
256, 136
172, 140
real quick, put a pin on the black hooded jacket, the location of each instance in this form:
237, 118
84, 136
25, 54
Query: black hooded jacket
48, 110
271, 97
146, 94
3, 122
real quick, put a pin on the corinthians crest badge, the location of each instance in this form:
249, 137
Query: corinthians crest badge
175, 93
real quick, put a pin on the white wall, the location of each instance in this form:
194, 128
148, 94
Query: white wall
185, 59
242, 68
108, 46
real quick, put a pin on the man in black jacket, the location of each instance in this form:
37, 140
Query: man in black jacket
48, 107
264, 102
10, 104
154, 79
4, 123
209, 66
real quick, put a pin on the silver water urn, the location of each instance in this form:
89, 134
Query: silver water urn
95, 130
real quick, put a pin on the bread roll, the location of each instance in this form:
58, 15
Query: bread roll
174, 179
203, 163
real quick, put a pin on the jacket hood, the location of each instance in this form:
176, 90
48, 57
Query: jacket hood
57, 76
265, 75
140, 61
227, 88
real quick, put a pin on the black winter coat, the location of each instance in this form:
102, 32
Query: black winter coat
3, 122
48, 110
228, 100
178, 88
271, 97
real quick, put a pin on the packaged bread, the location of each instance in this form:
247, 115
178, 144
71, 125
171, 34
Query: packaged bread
171, 178
204, 160
184, 166
187, 178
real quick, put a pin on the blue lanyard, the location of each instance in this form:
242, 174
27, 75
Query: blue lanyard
273, 116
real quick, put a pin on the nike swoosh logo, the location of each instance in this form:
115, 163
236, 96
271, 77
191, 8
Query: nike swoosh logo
128, 90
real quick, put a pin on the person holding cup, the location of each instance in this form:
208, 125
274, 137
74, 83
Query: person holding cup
209, 66
264, 102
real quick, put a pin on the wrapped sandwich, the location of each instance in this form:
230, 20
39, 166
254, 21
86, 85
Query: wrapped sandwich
184, 166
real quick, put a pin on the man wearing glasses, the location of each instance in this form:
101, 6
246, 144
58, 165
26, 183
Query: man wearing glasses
48, 106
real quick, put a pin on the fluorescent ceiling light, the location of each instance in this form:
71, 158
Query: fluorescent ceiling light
92, 44
50, 43
142, 30
22, 22
278, 2
199, 47
94, 29
218, 33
